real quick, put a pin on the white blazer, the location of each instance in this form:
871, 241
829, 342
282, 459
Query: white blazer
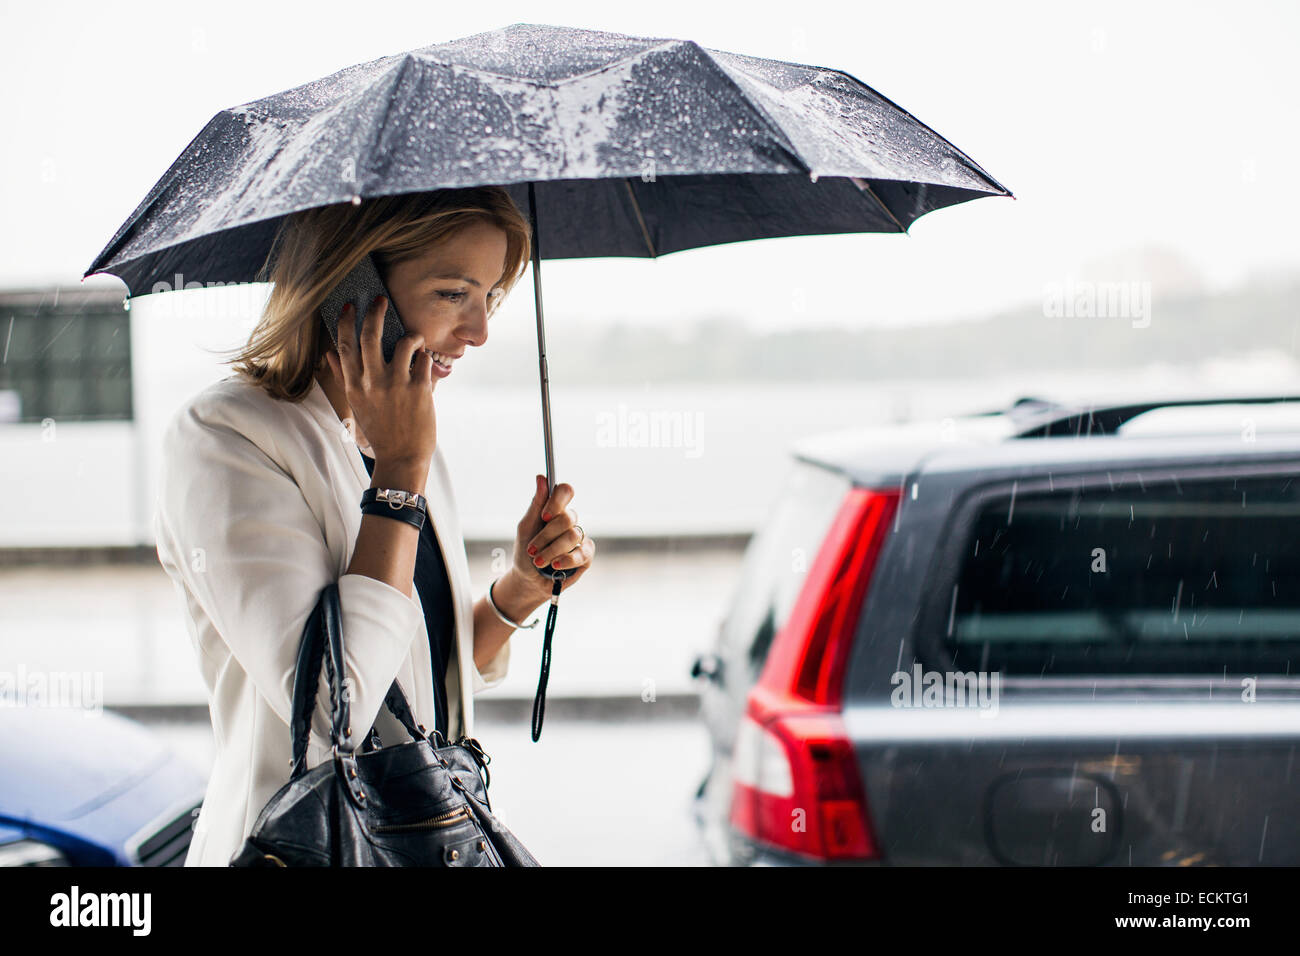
258, 510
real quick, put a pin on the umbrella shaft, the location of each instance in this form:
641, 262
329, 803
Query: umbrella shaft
543, 374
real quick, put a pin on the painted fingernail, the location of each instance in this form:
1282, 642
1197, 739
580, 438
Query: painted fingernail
538, 561
532, 549
555, 563
546, 517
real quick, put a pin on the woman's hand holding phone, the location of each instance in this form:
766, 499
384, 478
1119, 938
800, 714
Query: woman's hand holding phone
392, 401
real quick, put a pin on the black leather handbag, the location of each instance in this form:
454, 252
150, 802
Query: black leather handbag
423, 802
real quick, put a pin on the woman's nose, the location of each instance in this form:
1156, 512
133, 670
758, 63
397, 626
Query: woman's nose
475, 327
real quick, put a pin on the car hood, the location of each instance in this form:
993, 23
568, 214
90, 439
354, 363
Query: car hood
62, 763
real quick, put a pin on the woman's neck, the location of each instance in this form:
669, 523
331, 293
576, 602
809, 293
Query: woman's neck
339, 402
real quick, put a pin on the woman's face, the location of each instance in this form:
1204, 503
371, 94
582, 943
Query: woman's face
444, 295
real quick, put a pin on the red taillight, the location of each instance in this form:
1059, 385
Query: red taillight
808, 655
795, 776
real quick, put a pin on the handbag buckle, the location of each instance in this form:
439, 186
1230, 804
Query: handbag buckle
473, 746
346, 765
480, 757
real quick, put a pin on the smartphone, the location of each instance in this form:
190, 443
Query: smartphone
360, 286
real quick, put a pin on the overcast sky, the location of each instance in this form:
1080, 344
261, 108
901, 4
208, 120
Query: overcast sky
1119, 126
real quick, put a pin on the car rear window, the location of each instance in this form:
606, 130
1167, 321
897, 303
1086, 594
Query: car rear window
777, 559
1164, 577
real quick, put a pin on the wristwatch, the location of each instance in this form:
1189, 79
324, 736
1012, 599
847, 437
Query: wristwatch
394, 503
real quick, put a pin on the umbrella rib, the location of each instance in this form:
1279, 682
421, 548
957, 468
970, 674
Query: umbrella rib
547, 84
396, 77
636, 206
929, 129
864, 185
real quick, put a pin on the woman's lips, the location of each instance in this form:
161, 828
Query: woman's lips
440, 368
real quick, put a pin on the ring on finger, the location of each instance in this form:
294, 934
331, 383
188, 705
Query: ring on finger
582, 535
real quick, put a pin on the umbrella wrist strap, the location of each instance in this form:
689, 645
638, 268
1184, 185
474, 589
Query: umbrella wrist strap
539, 702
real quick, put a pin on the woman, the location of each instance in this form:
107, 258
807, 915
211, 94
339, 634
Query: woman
262, 478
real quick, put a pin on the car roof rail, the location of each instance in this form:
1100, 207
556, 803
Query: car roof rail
1103, 419
1021, 408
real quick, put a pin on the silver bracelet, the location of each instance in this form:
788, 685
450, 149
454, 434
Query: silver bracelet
504, 619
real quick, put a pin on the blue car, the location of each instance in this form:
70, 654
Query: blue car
92, 788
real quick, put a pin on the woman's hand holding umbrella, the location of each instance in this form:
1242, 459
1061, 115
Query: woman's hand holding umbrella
549, 536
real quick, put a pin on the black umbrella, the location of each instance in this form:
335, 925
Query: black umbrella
617, 145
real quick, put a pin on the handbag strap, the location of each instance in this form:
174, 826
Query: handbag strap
322, 637
305, 675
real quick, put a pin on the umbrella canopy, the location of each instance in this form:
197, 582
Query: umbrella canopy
637, 146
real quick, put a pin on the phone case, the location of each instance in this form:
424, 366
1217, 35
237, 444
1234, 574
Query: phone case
360, 286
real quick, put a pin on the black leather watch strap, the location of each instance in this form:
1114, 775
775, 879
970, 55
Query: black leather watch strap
392, 503
409, 514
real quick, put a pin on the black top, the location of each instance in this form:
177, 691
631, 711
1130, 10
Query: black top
434, 588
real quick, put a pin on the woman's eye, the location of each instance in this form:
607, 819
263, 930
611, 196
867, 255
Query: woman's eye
493, 295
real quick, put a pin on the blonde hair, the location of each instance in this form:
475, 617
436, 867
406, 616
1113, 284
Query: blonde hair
315, 249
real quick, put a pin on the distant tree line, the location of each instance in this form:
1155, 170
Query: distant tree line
1178, 330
